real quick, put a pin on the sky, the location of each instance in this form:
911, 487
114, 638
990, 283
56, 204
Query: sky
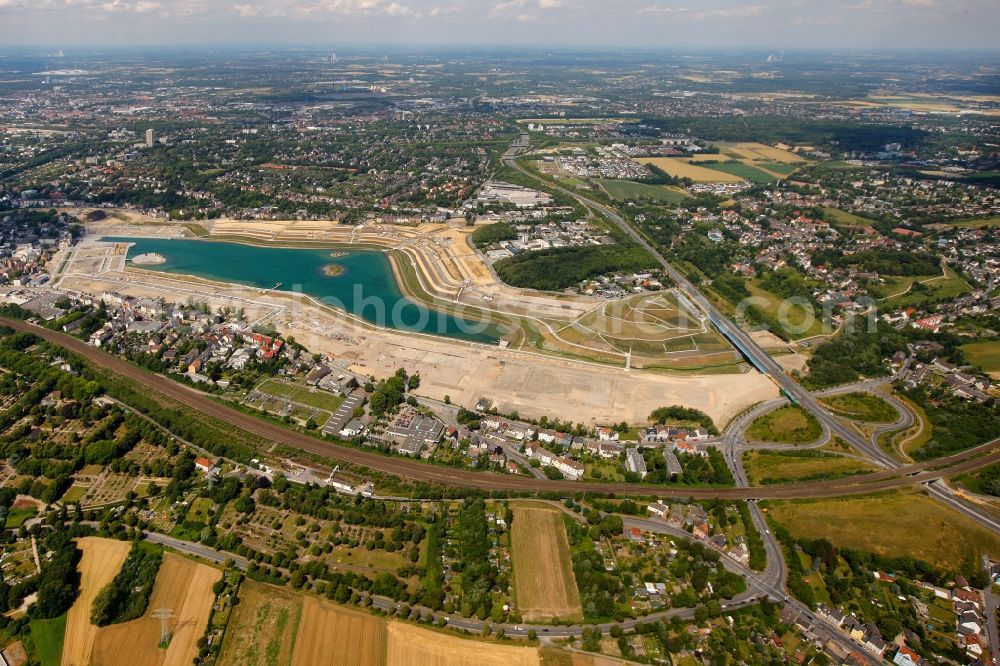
770, 24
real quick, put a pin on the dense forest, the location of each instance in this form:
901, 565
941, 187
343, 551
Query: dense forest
558, 268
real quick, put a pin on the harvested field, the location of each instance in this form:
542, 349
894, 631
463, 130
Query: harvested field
412, 646
263, 626
183, 586
544, 583
330, 634
100, 562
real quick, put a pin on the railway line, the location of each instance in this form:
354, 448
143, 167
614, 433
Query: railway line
908, 475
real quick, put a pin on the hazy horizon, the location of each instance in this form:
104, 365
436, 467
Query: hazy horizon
643, 24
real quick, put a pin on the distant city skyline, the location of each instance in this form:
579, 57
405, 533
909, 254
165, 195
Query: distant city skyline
774, 24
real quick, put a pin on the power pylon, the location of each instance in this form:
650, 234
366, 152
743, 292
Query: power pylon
163, 615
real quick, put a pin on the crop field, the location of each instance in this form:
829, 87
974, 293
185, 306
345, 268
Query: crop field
897, 523
627, 189
544, 584
330, 634
100, 562
412, 646
862, 407
681, 167
47, 635
759, 152
984, 354
744, 171
767, 467
263, 626
786, 425
183, 586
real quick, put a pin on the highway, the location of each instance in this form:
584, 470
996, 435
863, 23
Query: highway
728, 328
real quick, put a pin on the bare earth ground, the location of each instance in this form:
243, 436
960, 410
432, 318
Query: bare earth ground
532, 384
100, 562
337, 636
413, 646
543, 572
183, 586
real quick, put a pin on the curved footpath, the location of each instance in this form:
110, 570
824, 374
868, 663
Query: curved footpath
965, 461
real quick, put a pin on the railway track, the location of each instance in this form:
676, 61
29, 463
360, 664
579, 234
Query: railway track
909, 475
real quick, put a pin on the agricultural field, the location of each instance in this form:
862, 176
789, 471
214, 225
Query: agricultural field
862, 407
185, 587
263, 627
100, 562
330, 634
786, 425
759, 152
892, 524
984, 354
544, 584
413, 646
625, 189
744, 171
769, 467
681, 167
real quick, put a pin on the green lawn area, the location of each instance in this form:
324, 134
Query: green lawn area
842, 217
751, 173
16, 517
301, 394
627, 189
862, 407
781, 168
796, 316
200, 511
769, 467
786, 425
74, 494
902, 522
976, 222
984, 354
47, 635
931, 288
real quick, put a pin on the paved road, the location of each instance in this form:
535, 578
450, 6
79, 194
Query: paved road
959, 463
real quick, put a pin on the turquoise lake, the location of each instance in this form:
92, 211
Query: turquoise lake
367, 287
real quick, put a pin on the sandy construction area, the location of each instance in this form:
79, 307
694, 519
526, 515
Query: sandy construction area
412, 646
183, 586
100, 562
543, 572
531, 383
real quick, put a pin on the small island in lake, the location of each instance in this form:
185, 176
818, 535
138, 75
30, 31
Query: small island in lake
339, 253
333, 270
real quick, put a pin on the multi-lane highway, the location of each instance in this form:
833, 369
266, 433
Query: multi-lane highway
740, 339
